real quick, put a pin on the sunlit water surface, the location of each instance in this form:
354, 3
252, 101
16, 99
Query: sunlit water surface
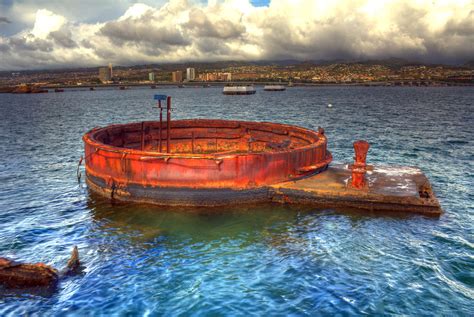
257, 260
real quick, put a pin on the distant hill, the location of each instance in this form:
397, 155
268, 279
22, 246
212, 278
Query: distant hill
392, 63
469, 64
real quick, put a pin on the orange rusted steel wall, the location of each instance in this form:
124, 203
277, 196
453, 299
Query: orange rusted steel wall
227, 154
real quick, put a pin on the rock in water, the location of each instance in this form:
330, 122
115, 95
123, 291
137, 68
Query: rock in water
17, 275
73, 264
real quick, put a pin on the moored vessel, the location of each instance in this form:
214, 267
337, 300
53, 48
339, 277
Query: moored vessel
28, 89
239, 90
274, 88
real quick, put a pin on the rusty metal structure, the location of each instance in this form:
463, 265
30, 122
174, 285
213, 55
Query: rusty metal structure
205, 162
200, 161
359, 168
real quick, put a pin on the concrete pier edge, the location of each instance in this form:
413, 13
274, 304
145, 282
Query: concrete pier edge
389, 189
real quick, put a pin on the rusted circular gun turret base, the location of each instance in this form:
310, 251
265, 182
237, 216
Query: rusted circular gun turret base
201, 154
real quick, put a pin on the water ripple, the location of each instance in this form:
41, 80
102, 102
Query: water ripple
270, 259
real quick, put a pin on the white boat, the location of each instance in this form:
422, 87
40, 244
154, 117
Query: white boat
239, 90
274, 88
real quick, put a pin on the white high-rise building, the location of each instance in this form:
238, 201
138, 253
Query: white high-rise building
190, 74
151, 76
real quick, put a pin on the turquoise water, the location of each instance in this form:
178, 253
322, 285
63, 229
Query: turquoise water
255, 260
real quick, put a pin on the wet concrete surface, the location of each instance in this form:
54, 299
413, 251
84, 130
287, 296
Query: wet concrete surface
388, 188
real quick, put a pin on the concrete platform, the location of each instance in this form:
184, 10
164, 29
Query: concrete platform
389, 188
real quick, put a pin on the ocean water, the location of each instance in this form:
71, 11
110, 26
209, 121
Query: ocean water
238, 261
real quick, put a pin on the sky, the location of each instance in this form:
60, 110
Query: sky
42, 34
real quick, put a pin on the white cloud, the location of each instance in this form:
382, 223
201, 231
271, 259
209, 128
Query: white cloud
46, 22
180, 30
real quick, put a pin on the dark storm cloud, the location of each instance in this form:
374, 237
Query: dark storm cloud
4, 48
33, 45
143, 30
87, 44
223, 29
281, 42
4, 20
461, 27
213, 46
63, 38
406, 33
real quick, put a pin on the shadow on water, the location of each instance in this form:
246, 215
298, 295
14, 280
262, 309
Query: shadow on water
144, 223
26, 292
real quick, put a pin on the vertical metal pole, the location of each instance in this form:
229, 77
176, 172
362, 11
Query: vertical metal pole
168, 120
161, 123
143, 137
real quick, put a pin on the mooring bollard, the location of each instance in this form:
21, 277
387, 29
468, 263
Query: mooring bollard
359, 168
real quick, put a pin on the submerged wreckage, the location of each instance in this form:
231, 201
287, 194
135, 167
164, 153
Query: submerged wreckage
23, 275
205, 162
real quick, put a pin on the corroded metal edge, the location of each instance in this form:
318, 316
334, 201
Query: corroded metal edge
202, 197
428, 207
172, 196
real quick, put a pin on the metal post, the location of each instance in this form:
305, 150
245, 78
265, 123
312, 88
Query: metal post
361, 148
359, 168
161, 123
168, 120
143, 136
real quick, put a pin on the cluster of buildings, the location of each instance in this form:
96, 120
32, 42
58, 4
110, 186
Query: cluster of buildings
106, 75
335, 73
332, 73
177, 76
216, 76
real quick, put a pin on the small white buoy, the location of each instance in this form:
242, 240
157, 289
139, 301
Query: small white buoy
329, 105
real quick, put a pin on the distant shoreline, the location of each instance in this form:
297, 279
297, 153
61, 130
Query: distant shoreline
204, 84
200, 84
